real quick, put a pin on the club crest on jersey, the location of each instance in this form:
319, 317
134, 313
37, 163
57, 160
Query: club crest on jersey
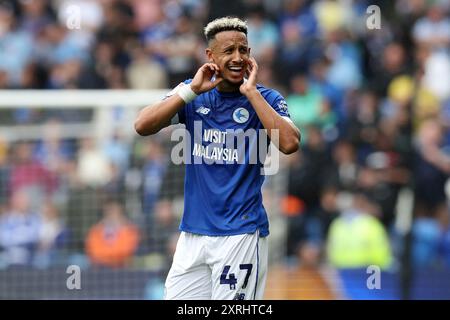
241, 115
203, 110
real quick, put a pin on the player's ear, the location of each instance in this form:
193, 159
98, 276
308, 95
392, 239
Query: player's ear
209, 54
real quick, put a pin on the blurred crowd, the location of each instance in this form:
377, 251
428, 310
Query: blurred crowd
373, 106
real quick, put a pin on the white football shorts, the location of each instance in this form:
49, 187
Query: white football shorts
218, 268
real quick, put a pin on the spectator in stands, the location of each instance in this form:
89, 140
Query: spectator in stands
17, 45
180, 51
53, 236
263, 35
154, 36
113, 241
35, 16
294, 52
426, 238
307, 106
434, 29
332, 15
117, 149
431, 167
30, 175
4, 80
436, 74
390, 64
345, 60
315, 228
306, 180
118, 24
4, 174
328, 209
307, 176
145, 72
267, 78
94, 168
356, 238
19, 231
344, 169
302, 12
88, 178
58, 47
115, 187
52, 151
146, 12
165, 224
153, 172
318, 71
95, 73
363, 123
444, 220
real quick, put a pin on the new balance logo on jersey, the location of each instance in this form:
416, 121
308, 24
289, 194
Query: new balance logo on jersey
203, 110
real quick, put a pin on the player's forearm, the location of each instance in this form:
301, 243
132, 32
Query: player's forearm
289, 135
153, 118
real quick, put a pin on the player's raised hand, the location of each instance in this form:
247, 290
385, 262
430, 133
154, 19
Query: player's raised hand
202, 81
249, 85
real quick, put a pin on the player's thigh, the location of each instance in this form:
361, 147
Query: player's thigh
241, 268
263, 253
189, 277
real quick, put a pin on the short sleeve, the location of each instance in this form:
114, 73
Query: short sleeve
277, 102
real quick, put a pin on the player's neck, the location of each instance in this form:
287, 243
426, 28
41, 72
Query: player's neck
226, 86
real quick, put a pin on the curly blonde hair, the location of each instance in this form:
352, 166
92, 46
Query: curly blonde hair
224, 24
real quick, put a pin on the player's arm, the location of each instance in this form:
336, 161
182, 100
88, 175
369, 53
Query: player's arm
289, 135
154, 117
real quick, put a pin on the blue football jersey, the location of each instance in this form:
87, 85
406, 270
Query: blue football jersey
223, 179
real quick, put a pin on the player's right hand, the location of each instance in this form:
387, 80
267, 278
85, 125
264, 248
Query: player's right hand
202, 81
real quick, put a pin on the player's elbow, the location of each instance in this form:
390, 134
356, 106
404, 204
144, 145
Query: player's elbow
146, 123
289, 148
291, 145
143, 126
140, 128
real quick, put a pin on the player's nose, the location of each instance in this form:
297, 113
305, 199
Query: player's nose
237, 58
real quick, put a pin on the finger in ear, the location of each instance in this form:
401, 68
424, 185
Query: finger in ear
248, 71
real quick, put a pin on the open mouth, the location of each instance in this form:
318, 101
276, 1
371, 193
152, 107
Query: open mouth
236, 70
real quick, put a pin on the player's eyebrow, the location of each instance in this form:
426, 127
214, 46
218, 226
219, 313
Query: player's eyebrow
226, 47
232, 46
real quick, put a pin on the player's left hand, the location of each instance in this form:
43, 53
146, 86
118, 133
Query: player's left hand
249, 84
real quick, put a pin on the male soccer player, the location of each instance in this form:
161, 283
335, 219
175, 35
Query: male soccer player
222, 250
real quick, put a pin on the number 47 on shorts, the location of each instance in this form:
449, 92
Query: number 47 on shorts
231, 279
